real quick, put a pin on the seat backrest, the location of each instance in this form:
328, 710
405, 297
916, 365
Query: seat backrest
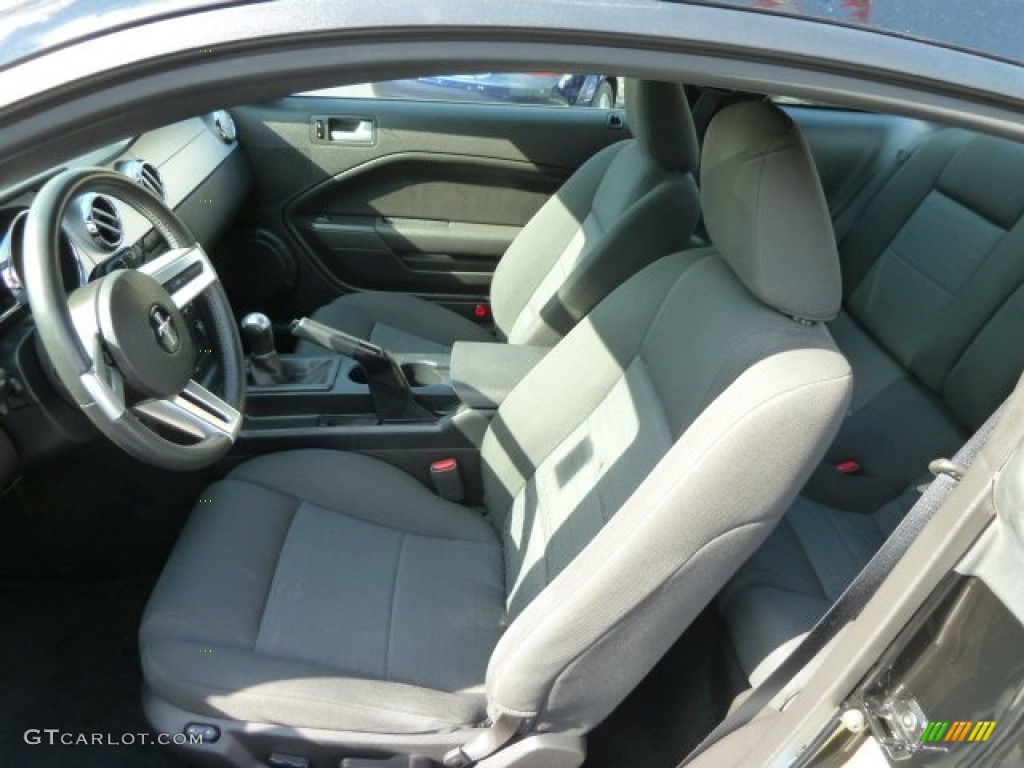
630, 204
989, 369
650, 452
938, 251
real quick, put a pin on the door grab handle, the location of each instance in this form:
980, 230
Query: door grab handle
352, 130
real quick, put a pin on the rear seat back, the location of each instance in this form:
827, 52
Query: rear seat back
934, 313
929, 262
938, 251
990, 367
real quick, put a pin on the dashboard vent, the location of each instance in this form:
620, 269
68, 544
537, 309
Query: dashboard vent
149, 177
102, 222
145, 174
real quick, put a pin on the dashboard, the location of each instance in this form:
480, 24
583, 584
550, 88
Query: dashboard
101, 234
196, 167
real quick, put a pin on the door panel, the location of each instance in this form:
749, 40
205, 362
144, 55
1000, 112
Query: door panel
407, 254
419, 222
418, 185
426, 201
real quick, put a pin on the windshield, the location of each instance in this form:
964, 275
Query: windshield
989, 27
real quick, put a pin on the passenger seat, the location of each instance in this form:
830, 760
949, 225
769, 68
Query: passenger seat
934, 308
627, 206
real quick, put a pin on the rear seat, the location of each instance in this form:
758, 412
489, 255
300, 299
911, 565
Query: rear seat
934, 308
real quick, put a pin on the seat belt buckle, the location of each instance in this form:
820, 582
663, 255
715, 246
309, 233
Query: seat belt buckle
447, 479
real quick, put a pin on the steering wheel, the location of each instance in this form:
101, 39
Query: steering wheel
120, 346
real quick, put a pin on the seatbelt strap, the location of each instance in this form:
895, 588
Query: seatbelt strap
852, 601
500, 733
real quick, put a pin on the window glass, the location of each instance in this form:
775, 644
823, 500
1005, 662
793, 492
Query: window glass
547, 88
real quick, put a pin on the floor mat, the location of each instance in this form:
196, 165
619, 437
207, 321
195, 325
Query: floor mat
93, 515
69, 661
82, 539
672, 709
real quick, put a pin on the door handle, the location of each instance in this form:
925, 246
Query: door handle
343, 129
352, 130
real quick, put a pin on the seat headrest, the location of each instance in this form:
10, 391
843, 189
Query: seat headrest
766, 213
660, 119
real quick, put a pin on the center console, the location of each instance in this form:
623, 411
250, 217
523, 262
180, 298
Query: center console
412, 410
334, 391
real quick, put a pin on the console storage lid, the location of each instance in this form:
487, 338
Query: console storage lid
483, 373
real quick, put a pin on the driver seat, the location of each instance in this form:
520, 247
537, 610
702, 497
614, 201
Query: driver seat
322, 604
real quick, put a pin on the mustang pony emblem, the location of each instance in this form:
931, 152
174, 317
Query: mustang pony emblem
166, 333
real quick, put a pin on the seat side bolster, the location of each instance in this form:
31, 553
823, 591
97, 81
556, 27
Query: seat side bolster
658, 223
780, 413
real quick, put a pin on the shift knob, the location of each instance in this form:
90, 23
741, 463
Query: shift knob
258, 334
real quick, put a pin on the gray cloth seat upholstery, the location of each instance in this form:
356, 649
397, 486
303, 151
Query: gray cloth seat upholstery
628, 205
274, 566
337, 593
803, 567
933, 273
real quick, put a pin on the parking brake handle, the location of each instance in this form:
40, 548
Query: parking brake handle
392, 396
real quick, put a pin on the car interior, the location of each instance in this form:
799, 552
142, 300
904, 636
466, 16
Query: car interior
440, 432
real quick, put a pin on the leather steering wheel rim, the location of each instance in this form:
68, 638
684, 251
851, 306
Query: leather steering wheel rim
119, 345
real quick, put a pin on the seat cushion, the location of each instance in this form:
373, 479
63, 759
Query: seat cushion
328, 590
398, 322
894, 428
802, 568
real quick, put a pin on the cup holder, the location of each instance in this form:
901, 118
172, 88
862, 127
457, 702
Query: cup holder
357, 374
421, 374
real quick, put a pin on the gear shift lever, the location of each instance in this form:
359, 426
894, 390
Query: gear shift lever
267, 368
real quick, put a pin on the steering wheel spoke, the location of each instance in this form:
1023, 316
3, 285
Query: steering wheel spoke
103, 381
184, 272
195, 411
108, 373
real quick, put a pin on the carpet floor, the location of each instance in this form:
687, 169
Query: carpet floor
69, 660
